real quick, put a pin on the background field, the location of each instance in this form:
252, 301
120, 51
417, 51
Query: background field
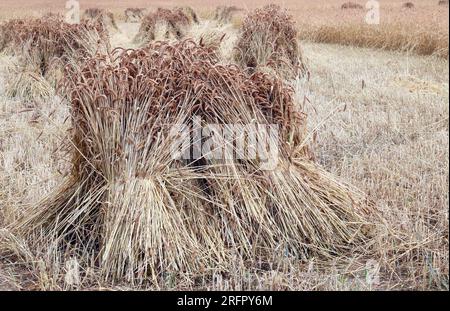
423, 29
383, 120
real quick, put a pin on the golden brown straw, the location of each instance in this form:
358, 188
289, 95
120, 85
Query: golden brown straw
268, 39
163, 24
142, 214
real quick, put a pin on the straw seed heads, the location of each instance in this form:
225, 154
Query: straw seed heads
143, 214
268, 40
163, 24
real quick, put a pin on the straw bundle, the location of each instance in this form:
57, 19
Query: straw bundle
190, 13
134, 14
268, 39
143, 214
163, 24
100, 16
351, 5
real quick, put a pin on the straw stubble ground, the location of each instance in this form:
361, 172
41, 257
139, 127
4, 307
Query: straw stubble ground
383, 127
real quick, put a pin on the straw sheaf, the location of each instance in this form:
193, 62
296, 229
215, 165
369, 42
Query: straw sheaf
268, 38
142, 214
163, 24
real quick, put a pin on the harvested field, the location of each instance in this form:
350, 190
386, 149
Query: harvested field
224, 14
91, 196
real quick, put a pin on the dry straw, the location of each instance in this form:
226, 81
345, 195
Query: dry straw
224, 14
163, 24
43, 47
134, 14
390, 36
351, 5
137, 214
268, 40
190, 13
100, 16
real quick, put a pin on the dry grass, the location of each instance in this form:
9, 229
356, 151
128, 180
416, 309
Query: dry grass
394, 37
190, 12
378, 120
372, 127
398, 30
408, 5
48, 38
391, 139
222, 37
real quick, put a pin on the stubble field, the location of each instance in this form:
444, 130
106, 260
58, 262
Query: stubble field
376, 100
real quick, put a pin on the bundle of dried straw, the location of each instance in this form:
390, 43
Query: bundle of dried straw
140, 213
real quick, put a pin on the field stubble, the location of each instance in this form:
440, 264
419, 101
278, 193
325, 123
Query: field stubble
382, 124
